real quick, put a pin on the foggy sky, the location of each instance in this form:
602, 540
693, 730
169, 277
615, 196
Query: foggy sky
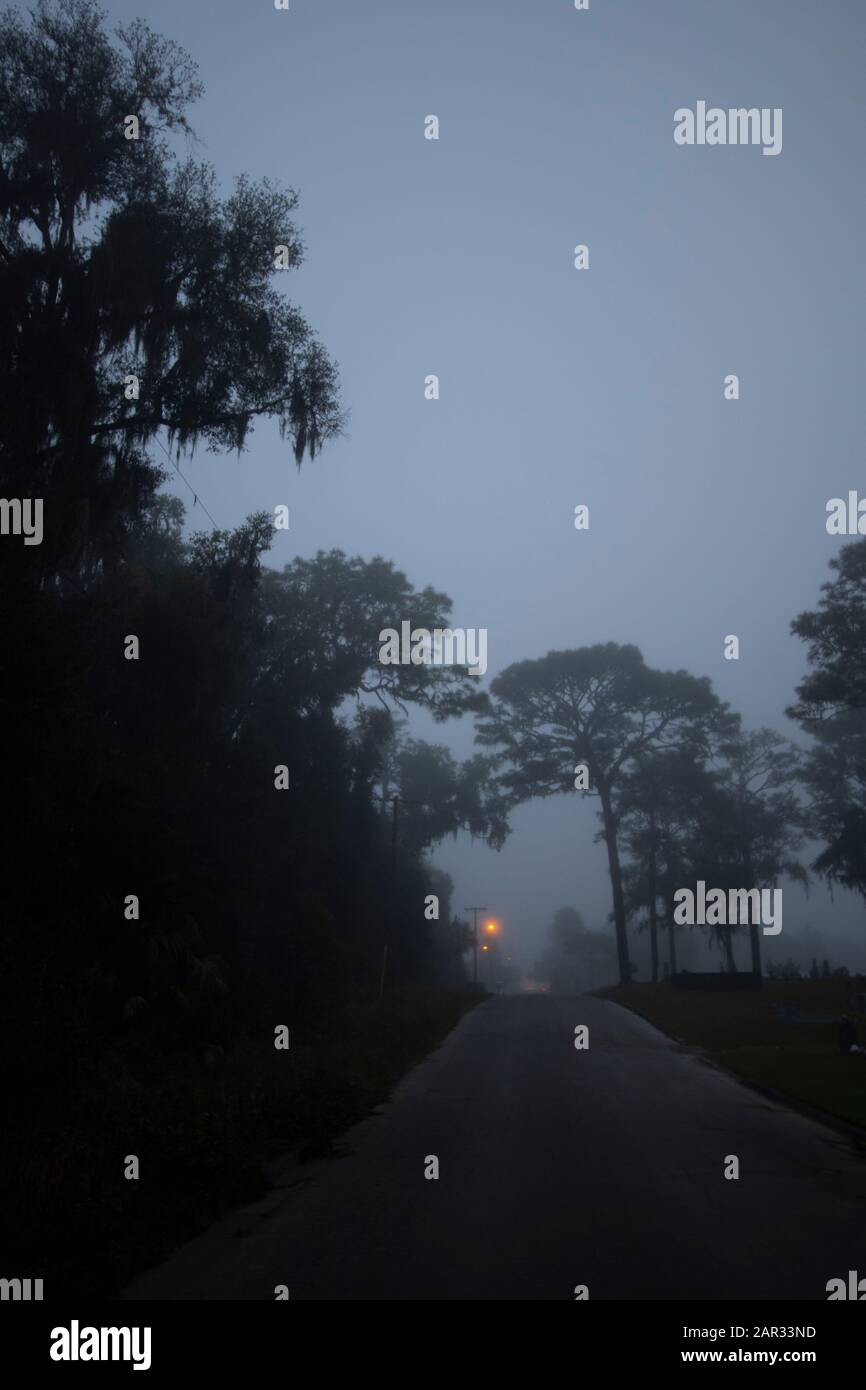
559, 387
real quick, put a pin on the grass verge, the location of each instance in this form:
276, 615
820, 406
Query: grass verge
747, 1033
201, 1134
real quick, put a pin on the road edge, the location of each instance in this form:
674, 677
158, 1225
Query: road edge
855, 1133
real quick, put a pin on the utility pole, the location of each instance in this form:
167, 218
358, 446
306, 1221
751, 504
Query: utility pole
475, 911
393, 903
394, 838
395, 814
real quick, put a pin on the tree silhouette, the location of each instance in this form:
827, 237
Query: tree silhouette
171, 898
831, 706
661, 812
133, 300
732, 819
601, 706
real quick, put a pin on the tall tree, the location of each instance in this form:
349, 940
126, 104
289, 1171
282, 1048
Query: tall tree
733, 820
835, 635
831, 706
133, 299
835, 777
758, 818
324, 620
603, 707
658, 807
440, 796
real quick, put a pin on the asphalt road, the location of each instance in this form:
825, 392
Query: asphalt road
557, 1167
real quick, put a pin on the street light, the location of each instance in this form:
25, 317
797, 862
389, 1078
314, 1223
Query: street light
493, 930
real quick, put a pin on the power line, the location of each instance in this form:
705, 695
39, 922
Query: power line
196, 498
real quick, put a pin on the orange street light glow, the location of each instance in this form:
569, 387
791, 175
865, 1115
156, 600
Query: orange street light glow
491, 926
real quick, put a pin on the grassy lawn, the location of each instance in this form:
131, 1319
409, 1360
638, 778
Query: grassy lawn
202, 1134
745, 1033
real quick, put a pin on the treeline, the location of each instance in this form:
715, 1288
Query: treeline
169, 904
202, 754
192, 807
200, 841
216, 822
685, 793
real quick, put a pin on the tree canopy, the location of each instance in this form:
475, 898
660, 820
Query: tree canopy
601, 707
831, 706
134, 299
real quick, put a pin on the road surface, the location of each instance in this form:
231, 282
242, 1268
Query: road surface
557, 1168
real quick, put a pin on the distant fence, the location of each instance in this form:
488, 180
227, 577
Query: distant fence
714, 979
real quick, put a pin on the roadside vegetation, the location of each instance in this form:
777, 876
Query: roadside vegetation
784, 1036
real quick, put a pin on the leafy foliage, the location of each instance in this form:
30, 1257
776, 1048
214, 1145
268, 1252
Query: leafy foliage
832, 708
117, 258
601, 706
153, 779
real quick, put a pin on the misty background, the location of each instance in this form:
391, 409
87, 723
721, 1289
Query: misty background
559, 387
